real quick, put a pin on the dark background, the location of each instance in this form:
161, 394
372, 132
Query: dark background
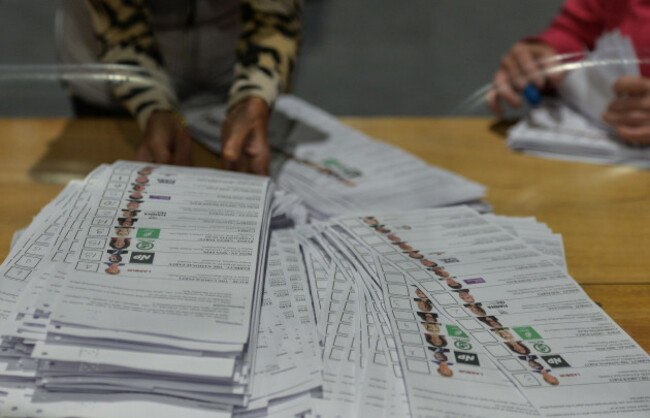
359, 57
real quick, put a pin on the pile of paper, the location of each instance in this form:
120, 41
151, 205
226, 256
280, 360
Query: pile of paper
161, 291
445, 312
335, 169
572, 127
151, 290
137, 292
288, 350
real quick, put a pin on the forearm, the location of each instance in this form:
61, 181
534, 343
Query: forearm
576, 27
124, 30
267, 49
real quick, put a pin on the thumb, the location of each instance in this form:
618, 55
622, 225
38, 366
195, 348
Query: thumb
160, 152
259, 153
157, 139
143, 153
182, 147
233, 144
631, 86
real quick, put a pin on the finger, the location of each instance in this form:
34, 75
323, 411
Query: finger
638, 135
494, 103
258, 152
629, 118
143, 153
554, 71
234, 139
626, 104
230, 165
527, 65
611, 118
243, 164
511, 67
547, 66
183, 148
505, 90
554, 75
631, 86
260, 164
158, 145
161, 154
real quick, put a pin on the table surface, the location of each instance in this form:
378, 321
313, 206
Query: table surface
601, 211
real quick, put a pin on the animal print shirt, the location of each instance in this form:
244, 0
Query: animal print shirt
265, 52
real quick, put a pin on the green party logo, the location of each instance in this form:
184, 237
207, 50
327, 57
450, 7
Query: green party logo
338, 167
144, 245
455, 331
151, 233
542, 348
462, 345
527, 333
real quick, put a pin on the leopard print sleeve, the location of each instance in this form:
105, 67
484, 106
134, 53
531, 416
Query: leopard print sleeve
124, 31
267, 49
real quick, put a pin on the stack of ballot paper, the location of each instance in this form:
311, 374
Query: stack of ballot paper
572, 127
288, 353
138, 292
151, 290
557, 131
446, 312
335, 169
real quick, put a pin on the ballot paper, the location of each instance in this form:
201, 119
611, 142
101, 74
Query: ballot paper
572, 127
141, 285
164, 291
444, 312
588, 88
288, 351
335, 169
557, 131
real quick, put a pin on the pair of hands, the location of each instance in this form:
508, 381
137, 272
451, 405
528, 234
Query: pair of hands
529, 62
244, 143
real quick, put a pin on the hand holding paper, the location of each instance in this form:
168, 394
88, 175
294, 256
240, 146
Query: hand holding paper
603, 109
525, 63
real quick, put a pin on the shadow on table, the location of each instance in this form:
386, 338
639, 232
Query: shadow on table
500, 127
84, 144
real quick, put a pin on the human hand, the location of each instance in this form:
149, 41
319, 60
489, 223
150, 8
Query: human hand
524, 64
244, 145
629, 113
165, 141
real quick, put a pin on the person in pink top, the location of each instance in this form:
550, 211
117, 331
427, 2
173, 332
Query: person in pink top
575, 29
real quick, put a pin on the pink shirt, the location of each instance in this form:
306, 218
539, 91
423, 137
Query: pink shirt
581, 22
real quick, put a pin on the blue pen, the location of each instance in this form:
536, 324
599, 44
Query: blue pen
532, 95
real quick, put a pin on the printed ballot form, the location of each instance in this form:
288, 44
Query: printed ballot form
140, 280
168, 291
571, 127
171, 274
335, 169
472, 304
